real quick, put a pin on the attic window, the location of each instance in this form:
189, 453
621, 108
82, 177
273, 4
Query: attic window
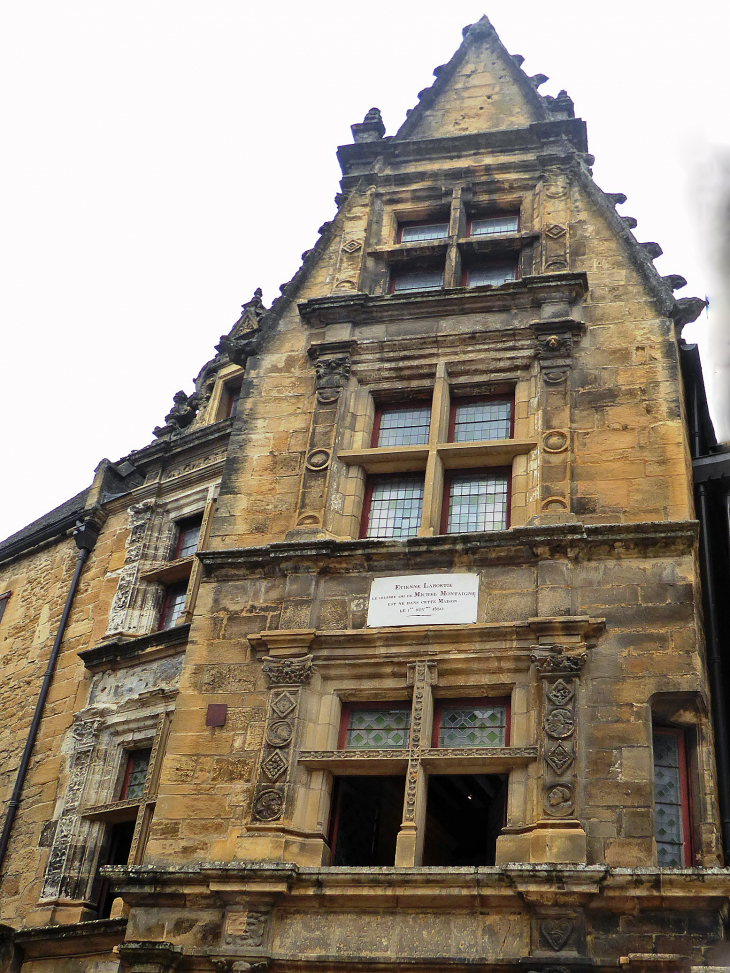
415, 232
494, 225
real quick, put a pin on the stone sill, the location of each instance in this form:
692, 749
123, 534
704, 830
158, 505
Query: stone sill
122, 650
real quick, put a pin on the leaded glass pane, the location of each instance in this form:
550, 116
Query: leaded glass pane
378, 729
188, 541
429, 231
494, 274
174, 606
668, 801
136, 774
494, 225
395, 507
475, 421
477, 502
419, 280
473, 726
404, 427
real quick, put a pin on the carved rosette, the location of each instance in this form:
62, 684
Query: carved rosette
286, 677
558, 671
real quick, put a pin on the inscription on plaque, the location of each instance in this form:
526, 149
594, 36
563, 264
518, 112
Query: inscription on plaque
433, 599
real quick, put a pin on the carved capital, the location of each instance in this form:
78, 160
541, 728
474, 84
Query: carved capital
552, 660
288, 672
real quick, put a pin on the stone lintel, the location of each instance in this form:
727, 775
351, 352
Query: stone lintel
98, 935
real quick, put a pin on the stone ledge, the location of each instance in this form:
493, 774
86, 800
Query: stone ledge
121, 650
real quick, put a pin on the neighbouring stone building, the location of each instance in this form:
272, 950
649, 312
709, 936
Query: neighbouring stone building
389, 651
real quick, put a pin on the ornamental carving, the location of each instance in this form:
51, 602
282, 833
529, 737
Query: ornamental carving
268, 805
558, 670
556, 932
560, 693
555, 441
279, 733
282, 672
559, 800
559, 723
554, 661
332, 373
560, 758
318, 459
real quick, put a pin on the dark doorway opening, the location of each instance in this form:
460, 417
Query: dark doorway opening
366, 819
120, 845
465, 814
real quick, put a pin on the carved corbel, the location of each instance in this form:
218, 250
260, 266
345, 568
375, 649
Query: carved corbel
149, 957
332, 364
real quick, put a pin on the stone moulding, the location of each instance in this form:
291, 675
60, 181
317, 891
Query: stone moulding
523, 544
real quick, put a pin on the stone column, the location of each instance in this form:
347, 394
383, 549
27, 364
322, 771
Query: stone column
409, 846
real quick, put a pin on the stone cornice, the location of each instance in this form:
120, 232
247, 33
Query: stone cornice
526, 293
521, 544
121, 651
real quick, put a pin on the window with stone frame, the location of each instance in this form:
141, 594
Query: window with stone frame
115, 752
188, 536
493, 225
421, 230
465, 808
416, 277
173, 605
438, 466
492, 273
672, 801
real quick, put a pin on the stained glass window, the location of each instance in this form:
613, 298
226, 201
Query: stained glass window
395, 507
495, 225
418, 280
668, 799
378, 728
135, 776
426, 231
479, 725
477, 501
474, 421
494, 274
404, 427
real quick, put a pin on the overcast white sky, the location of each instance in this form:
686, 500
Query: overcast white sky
162, 158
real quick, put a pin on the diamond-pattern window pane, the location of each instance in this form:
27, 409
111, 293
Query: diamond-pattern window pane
429, 231
494, 225
668, 801
139, 763
404, 427
395, 507
494, 274
419, 280
473, 726
378, 729
477, 502
476, 421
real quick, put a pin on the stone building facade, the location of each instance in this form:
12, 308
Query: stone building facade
388, 652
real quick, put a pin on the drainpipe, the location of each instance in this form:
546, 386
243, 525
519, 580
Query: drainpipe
714, 655
85, 536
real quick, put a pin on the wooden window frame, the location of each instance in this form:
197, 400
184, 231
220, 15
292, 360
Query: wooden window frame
232, 392
474, 400
492, 216
128, 770
381, 407
408, 268
440, 703
370, 483
680, 734
182, 526
474, 471
348, 708
170, 590
406, 224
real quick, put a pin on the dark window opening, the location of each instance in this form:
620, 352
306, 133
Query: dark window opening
4, 598
366, 818
464, 817
120, 846
232, 394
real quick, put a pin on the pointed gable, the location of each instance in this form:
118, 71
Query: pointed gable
481, 89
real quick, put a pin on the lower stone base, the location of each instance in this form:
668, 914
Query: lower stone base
547, 842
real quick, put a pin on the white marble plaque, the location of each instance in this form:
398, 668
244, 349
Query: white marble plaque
424, 599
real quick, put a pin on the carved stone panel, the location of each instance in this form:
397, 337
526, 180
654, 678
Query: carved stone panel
286, 677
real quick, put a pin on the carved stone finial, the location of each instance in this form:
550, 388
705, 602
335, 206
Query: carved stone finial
537, 79
652, 250
184, 409
686, 310
617, 198
242, 341
370, 129
562, 106
675, 281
